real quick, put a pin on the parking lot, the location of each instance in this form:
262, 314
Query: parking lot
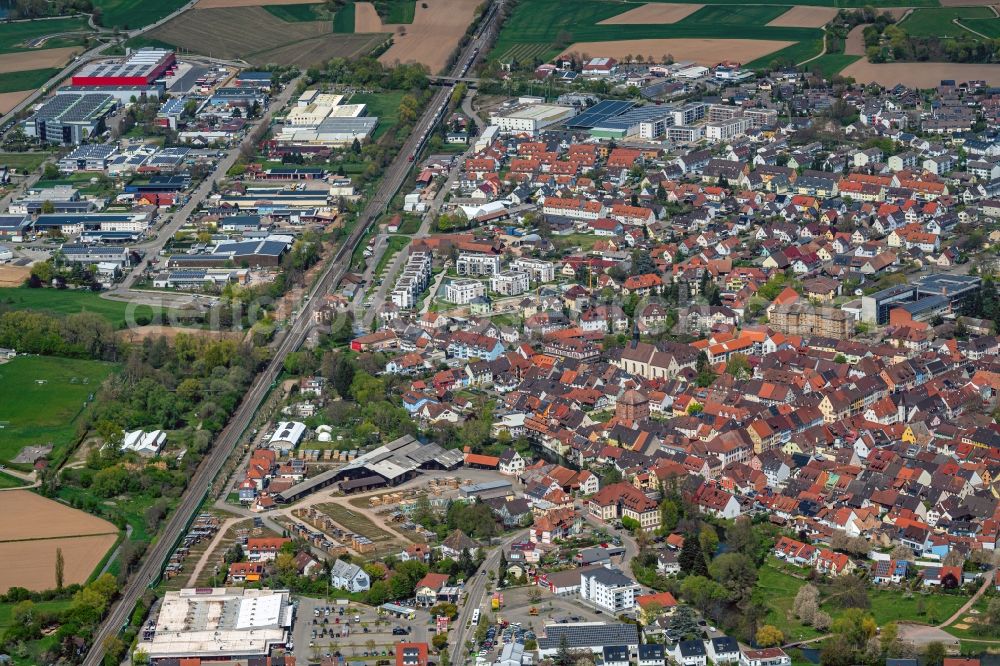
324, 627
522, 625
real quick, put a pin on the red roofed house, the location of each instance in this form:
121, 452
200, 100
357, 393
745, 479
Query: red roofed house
833, 564
428, 588
264, 549
623, 500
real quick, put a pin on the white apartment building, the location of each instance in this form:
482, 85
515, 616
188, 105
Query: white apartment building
474, 263
510, 283
608, 589
723, 130
414, 280
463, 291
537, 269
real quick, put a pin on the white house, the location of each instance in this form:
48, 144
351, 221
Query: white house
350, 577
689, 653
608, 589
723, 650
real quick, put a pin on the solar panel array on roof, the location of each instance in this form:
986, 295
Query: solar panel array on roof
599, 113
73, 108
633, 117
588, 635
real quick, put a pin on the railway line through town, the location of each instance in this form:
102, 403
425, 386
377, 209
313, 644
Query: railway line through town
152, 565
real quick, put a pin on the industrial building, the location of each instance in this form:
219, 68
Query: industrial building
61, 198
218, 625
142, 67
927, 296
531, 118
389, 464
70, 119
321, 120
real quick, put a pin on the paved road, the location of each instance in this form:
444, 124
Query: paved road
475, 596
290, 340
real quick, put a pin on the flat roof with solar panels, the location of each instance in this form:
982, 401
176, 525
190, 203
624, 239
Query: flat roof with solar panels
633, 117
593, 636
600, 113
141, 67
75, 108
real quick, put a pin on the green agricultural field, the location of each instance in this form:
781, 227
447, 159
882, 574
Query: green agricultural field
15, 37
25, 80
42, 397
989, 26
846, 4
23, 162
8, 481
940, 22
343, 20
831, 63
736, 15
541, 28
7, 610
296, 13
66, 302
135, 13
400, 11
385, 105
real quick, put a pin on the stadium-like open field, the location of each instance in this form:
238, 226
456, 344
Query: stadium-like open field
222, 32
653, 12
437, 27
41, 398
805, 17
34, 527
545, 24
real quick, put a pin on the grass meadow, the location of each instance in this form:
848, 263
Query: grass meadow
41, 399
14, 37
72, 301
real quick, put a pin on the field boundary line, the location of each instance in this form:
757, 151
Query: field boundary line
56, 538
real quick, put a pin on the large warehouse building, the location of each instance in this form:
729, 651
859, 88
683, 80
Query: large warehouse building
141, 68
387, 465
69, 119
218, 625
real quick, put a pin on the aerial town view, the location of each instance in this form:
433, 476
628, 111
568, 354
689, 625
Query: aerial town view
499, 333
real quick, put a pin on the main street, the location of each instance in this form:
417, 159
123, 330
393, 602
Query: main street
475, 595
152, 564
